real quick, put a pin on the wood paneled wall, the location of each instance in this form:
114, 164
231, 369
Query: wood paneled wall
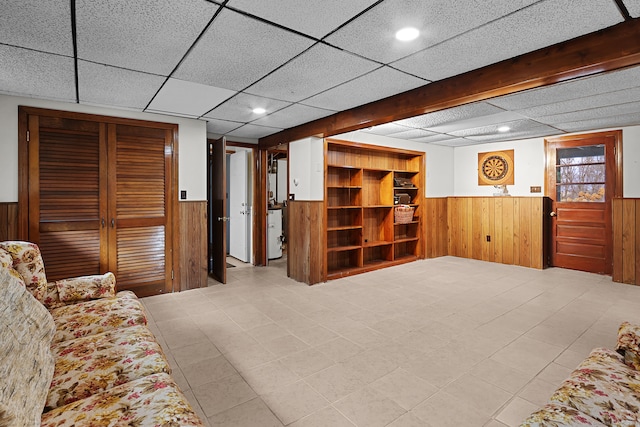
305, 251
515, 226
626, 241
436, 230
8, 221
193, 246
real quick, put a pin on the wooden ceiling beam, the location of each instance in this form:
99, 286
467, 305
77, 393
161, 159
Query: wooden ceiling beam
599, 52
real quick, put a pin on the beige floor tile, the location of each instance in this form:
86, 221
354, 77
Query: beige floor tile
190, 354
527, 355
501, 375
285, 345
184, 338
191, 398
368, 367
307, 362
339, 349
315, 335
443, 410
294, 402
249, 357
325, 417
249, 414
516, 412
407, 420
223, 394
538, 391
207, 370
554, 374
368, 408
470, 390
495, 423
335, 382
268, 332
269, 377
404, 388
571, 359
234, 341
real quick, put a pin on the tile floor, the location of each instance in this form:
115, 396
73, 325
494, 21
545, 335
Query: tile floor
442, 342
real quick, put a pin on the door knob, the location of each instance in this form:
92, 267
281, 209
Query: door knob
553, 214
223, 218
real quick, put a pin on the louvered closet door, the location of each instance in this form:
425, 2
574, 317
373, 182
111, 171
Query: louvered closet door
67, 179
139, 220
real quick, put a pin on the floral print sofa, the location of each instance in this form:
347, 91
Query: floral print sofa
603, 391
75, 353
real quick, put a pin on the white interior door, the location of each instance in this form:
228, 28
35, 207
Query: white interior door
239, 207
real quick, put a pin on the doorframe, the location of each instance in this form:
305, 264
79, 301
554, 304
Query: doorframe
550, 172
24, 173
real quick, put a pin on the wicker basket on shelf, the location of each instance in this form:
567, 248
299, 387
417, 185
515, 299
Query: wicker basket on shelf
403, 214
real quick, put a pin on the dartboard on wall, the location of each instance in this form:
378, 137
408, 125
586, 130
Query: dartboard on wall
495, 168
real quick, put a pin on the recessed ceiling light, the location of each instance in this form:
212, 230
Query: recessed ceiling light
259, 110
504, 129
407, 34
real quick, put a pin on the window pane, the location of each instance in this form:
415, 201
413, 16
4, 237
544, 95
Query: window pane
581, 155
580, 174
580, 193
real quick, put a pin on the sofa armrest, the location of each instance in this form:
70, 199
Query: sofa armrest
629, 344
86, 287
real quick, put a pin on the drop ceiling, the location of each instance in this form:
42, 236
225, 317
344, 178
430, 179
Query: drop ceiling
301, 61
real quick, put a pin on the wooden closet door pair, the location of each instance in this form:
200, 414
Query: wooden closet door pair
99, 198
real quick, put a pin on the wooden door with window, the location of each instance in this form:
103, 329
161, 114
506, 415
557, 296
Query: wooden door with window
96, 196
583, 175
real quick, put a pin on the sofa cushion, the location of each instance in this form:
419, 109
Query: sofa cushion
86, 287
26, 362
629, 344
27, 261
151, 401
91, 364
556, 415
97, 316
604, 388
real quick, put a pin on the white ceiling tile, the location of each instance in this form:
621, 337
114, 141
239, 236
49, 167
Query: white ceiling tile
592, 113
633, 6
290, 13
455, 142
434, 138
316, 70
575, 89
134, 89
143, 35
450, 115
42, 75
476, 122
386, 129
378, 84
372, 35
240, 108
413, 134
292, 116
221, 127
253, 131
237, 50
37, 24
586, 103
520, 129
540, 25
600, 123
194, 99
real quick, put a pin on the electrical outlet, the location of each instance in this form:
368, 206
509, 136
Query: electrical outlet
183, 194
536, 189
488, 238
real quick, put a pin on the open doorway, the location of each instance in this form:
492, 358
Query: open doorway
240, 190
277, 195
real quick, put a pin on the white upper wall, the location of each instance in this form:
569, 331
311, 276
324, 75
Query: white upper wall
192, 144
306, 169
529, 165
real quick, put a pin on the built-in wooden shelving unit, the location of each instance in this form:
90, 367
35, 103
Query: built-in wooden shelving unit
360, 185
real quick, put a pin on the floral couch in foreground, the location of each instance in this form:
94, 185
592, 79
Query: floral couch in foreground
75, 353
603, 391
